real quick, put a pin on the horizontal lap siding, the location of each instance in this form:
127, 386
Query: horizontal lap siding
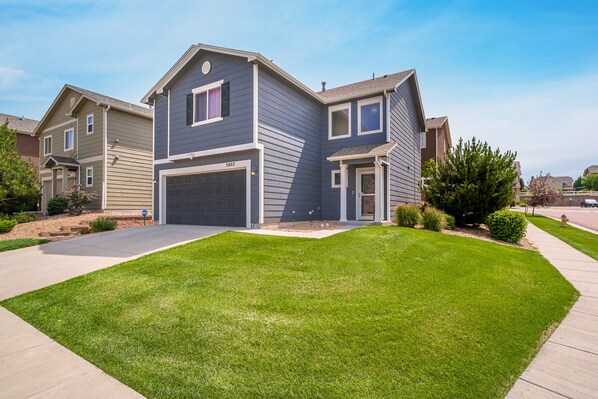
58, 117
130, 177
161, 128
289, 128
235, 129
405, 159
98, 172
90, 145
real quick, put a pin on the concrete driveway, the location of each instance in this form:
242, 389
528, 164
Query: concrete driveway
28, 269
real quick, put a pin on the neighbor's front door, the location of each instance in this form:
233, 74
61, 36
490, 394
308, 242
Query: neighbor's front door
366, 188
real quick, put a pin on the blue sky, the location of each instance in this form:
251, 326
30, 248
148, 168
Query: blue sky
522, 75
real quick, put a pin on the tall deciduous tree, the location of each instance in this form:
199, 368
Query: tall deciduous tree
590, 182
473, 182
541, 193
19, 189
578, 182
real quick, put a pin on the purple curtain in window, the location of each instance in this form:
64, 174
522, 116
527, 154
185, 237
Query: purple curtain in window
214, 103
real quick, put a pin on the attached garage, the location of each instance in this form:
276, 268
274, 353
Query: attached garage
214, 198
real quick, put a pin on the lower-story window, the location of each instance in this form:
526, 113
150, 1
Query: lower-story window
335, 179
89, 176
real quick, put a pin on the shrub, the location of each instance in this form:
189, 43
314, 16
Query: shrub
522, 204
57, 205
506, 225
407, 215
102, 224
473, 182
7, 225
450, 221
78, 199
23, 217
433, 219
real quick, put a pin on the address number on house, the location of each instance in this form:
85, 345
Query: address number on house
230, 164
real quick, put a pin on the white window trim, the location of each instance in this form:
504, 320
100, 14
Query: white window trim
87, 124
332, 109
369, 101
87, 169
332, 180
423, 134
50, 152
73, 143
202, 89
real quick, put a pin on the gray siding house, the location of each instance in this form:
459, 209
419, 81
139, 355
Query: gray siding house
99, 142
240, 142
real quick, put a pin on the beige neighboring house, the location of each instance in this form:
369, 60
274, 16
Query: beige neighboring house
567, 182
557, 184
101, 143
590, 170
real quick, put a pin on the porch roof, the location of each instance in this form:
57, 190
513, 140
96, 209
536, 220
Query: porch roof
54, 160
363, 151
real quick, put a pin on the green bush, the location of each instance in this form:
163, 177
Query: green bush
521, 203
433, 219
7, 225
23, 217
57, 205
103, 224
506, 225
407, 215
450, 221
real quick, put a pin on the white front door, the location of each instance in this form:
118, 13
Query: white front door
366, 188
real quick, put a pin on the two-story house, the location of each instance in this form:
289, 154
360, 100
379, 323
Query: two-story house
99, 142
436, 140
240, 142
27, 143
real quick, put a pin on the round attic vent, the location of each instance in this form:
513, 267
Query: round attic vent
205, 68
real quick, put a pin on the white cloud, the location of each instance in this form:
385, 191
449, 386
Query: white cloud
9, 77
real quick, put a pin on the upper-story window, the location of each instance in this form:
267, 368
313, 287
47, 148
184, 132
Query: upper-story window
69, 139
207, 103
422, 140
369, 116
47, 145
90, 124
339, 121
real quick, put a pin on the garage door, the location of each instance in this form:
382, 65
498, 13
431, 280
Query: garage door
211, 199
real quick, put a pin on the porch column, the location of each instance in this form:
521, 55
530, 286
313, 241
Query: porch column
344, 181
54, 184
65, 184
378, 197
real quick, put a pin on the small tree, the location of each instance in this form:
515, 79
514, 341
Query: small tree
78, 199
521, 183
591, 182
540, 192
19, 187
578, 182
473, 182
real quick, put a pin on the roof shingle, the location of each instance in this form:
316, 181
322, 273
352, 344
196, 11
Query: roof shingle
363, 88
19, 123
363, 151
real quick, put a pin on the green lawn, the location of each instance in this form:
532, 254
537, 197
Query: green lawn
8, 245
581, 240
375, 312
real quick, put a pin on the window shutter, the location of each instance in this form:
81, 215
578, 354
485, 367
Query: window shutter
189, 109
225, 99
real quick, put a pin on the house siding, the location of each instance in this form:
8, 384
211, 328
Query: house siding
98, 175
405, 159
252, 155
235, 129
160, 127
129, 178
28, 148
289, 127
90, 145
59, 117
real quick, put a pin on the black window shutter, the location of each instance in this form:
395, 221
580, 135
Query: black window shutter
189, 109
225, 99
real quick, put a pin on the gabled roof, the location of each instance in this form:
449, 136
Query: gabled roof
99, 99
20, 124
590, 169
54, 160
365, 87
363, 151
565, 179
436, 122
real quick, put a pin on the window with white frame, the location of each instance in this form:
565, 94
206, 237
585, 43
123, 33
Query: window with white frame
207, 103
335, 180
89, 176
339, 121
69, 139
422, 140
47, 145
90, 124
369, 115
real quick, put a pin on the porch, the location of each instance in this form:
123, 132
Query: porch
65, 174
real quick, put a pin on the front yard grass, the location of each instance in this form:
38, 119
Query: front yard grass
8, 245
373, 312
581, 240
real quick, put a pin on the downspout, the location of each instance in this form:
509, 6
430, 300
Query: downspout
387, 96
105, 177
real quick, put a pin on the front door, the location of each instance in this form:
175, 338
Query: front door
366, 188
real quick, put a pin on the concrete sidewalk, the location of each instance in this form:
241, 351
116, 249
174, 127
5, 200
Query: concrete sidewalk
567, 364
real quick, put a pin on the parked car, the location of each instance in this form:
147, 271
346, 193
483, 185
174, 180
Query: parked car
589, 203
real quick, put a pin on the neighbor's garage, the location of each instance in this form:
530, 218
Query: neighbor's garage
212, 199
